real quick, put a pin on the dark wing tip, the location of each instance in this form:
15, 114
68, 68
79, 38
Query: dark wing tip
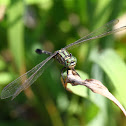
39, 51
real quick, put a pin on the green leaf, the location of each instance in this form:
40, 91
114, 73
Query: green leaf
44, 4
4, 2
16, 32
5, 78
115, 68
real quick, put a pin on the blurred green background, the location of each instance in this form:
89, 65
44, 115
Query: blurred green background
26, 25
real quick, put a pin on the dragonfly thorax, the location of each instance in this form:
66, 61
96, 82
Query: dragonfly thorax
65, 58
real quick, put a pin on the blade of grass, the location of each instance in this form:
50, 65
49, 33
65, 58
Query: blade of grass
115, 68
15, 32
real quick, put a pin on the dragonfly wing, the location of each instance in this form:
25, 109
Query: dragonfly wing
24, 81
99, 33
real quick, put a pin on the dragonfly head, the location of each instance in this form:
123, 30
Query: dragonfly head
71, 61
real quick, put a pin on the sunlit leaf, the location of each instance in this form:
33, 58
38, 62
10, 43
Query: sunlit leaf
4, 2
5, 78
115, 68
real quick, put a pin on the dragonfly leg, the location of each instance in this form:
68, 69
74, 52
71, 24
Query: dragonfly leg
64, 80
75, 72
62, 72
39, 51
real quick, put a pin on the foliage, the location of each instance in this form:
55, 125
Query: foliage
50, 25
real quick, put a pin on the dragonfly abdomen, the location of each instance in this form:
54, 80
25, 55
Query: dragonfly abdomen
39, 51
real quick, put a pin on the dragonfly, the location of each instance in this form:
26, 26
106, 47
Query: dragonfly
62, 56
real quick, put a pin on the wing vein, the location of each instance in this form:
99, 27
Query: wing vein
22, 82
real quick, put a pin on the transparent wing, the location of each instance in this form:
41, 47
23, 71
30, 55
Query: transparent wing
24, 81
98, 33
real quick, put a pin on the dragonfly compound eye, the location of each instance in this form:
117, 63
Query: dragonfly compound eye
67, 62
